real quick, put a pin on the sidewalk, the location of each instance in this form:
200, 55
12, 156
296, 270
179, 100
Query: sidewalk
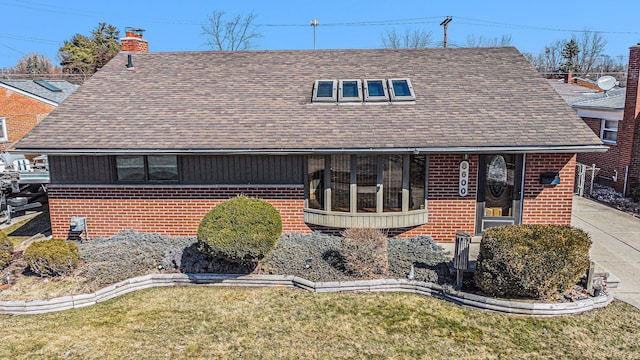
616, 244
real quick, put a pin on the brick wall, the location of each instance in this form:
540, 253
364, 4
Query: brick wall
177, 210
21, 114
545, 204
606, 161
448, 212
632, 114
174, 210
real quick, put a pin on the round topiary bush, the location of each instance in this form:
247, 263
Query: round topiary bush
532, 261
53, 257
240, 230
6, 251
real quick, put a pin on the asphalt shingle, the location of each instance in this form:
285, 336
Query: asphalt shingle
261, 100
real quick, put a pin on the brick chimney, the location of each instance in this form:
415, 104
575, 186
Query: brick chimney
568, 78
133, 42
629, 128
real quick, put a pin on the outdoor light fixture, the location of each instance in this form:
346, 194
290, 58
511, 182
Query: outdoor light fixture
307, 263
8, 279
160, 267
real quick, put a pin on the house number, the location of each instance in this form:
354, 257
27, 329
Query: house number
463, 183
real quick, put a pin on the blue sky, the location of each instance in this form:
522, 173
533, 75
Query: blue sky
42, 26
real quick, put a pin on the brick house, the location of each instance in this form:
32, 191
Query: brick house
613, 116
24, 103
417, 141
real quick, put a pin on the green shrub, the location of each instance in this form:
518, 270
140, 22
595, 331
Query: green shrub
6, 251
53, 257
240, 230
533, 261
364, 252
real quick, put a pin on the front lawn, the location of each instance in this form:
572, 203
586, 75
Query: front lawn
264, 323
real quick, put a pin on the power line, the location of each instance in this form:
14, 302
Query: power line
479, 22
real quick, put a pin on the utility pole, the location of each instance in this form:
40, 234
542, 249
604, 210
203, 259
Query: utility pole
314, 23
444, 24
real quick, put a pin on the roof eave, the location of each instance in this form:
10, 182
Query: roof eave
306, 151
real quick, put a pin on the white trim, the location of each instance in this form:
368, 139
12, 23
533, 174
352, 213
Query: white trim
604, 129
28, 94
601, 114
3, 132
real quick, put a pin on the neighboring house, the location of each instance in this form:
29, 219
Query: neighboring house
613, 116
603, 112
417, 141
24, 103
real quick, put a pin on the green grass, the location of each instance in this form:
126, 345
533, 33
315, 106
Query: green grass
264, 323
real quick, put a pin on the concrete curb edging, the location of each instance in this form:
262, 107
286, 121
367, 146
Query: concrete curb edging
254, 280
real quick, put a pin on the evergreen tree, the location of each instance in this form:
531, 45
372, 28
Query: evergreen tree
85, 55
570, 54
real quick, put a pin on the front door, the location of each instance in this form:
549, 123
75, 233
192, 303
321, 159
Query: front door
499, 195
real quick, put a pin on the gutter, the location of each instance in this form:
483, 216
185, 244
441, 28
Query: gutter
310, 151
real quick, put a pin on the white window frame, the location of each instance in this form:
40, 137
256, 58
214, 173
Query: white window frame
3, 133
369, 98
358, 98
604, 129
395, 97
333, 98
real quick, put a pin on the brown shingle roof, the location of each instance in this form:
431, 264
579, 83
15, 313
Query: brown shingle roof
261, 100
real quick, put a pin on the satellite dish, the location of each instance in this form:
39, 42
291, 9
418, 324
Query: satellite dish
607, 82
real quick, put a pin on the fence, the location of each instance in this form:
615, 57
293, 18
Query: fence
589, 175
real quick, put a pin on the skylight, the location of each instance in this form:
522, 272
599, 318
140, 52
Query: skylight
401, 90
47, 85
375, 90
325, 91
350, 91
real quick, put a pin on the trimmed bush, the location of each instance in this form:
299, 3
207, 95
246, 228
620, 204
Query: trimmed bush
53, 257
532, 261
241, 230
6, 251
364, 252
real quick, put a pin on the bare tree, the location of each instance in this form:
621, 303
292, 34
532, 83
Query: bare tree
238, 33
35, 64
411, 39
481, 41
591, 45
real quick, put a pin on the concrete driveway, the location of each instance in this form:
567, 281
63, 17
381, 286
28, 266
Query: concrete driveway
616, 244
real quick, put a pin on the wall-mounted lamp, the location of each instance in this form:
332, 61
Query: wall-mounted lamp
465, 157
416, 151
550, 178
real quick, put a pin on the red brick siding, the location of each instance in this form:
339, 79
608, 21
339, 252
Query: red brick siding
545, 204
21, 114
448, 212
632, 116
606, 161
175, 211
134, 45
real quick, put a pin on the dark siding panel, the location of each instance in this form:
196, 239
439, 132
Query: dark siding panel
242, 169
80, 169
